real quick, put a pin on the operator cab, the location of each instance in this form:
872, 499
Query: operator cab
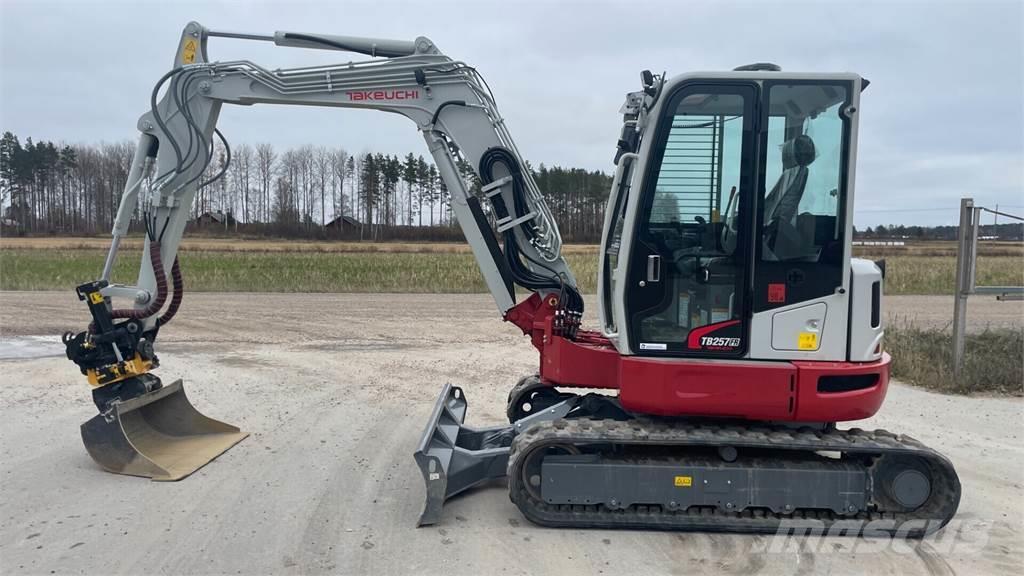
733, 213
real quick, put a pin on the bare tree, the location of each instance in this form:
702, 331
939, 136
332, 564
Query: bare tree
241, 179
340, 163
266, 168
323, 173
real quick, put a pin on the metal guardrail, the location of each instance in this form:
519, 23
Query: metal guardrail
966, 264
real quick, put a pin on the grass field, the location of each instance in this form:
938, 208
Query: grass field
282, 266
383, 268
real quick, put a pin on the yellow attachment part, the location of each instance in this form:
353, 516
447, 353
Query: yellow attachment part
117, 372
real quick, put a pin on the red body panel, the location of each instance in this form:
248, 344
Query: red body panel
748, 389
573, 364
727, 388
840, 406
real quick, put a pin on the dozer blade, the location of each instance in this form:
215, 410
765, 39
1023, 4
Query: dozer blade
453, 457
159, 435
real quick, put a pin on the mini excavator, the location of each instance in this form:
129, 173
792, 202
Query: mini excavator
736, 327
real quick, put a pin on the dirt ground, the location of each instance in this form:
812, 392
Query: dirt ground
336, 390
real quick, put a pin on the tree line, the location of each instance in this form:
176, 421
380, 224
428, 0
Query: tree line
1008, 231
309, 191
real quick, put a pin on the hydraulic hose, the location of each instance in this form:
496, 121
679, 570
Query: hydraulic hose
178, 284
570, 300
161, 289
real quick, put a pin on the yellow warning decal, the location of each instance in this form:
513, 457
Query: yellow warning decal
188, 51
95, 297
684, 481
807, 341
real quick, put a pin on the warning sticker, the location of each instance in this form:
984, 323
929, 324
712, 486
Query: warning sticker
807, 341
188, 52
684, 481
776, 293
95, 297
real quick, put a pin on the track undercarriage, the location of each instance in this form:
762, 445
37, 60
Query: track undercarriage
582, 461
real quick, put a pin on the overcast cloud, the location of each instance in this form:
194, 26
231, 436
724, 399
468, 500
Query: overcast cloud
943, 117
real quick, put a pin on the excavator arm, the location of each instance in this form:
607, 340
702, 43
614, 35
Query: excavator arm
449, 103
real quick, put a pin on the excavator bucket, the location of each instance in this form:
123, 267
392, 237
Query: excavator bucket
453, 457
159, 435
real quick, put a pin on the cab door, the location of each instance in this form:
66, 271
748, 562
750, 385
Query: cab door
689, 266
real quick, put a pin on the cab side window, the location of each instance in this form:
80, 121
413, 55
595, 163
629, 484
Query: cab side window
804, 161
802, 221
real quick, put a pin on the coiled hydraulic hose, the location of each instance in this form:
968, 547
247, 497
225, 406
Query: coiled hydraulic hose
179, 291
161, 289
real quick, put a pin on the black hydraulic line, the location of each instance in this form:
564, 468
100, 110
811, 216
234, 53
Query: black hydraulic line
570, 298
159, 120
206, 149
178, 94
442, 107
160, 238
227, 160
207, 146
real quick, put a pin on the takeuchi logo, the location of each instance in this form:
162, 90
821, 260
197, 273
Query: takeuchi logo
359, 95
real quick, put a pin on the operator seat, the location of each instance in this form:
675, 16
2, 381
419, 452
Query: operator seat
781, 237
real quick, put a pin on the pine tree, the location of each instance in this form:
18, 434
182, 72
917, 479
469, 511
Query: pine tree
409, 177
422, 185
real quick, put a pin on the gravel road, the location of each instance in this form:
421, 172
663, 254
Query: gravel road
336, 390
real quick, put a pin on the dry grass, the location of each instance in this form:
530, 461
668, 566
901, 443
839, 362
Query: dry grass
243, 244
993, 359
937, 274
245, 271
939, 248
215, 264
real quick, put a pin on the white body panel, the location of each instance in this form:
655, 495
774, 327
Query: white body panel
801, 328
775, 334
867, 327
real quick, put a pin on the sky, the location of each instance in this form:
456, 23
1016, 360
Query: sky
942, 119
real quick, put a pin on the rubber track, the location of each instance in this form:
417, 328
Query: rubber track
932, 515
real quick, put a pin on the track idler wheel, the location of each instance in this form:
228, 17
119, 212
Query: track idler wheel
902, 483
531, 470
530, 396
